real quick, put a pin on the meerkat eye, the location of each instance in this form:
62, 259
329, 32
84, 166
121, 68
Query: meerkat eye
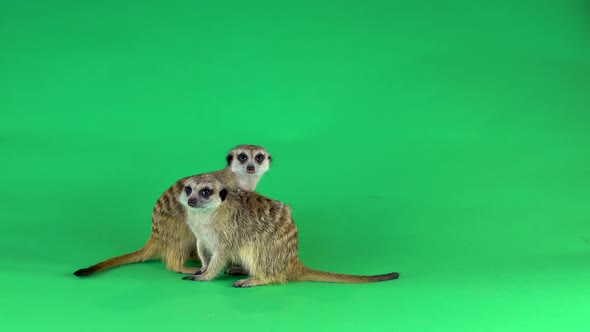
242, 157
188, 190
206, 192
259, 157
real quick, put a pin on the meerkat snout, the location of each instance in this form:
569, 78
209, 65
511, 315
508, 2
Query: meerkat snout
192, 202
250, 169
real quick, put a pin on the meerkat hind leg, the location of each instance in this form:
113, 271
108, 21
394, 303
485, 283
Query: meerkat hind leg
251, 282
189, 270
176, 264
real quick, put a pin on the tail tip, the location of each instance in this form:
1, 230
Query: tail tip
389, 276
84, 272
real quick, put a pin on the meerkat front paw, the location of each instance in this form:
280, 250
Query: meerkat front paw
244, 283
195, 277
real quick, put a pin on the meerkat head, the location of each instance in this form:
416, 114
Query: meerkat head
249, 160
202, 193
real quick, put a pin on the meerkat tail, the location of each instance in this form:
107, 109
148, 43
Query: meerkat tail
315, 275
147, 252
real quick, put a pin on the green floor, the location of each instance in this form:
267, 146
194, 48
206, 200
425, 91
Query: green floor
448, 141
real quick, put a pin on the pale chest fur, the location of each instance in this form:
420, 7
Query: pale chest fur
201, 223
247, 182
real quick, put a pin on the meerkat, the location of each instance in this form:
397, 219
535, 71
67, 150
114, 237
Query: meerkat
170, 238
250, 229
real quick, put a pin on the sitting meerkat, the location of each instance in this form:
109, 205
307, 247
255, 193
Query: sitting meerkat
252, 230
171, 239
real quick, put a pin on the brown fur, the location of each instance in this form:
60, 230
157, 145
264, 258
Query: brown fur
256, 231
171, 239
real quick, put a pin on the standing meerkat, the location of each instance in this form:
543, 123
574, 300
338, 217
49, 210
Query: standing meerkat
171, 239
252, 230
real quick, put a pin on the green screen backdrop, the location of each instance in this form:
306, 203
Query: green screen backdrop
445, 140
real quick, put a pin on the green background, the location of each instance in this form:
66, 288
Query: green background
448, 141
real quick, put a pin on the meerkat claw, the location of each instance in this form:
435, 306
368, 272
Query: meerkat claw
193, 278
239, 284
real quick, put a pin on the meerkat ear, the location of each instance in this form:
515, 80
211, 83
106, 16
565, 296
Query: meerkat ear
223, 194
269, 159
229, 159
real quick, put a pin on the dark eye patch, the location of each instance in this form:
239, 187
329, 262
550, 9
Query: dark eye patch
206, 192
188, 190
242, 157
259, 158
